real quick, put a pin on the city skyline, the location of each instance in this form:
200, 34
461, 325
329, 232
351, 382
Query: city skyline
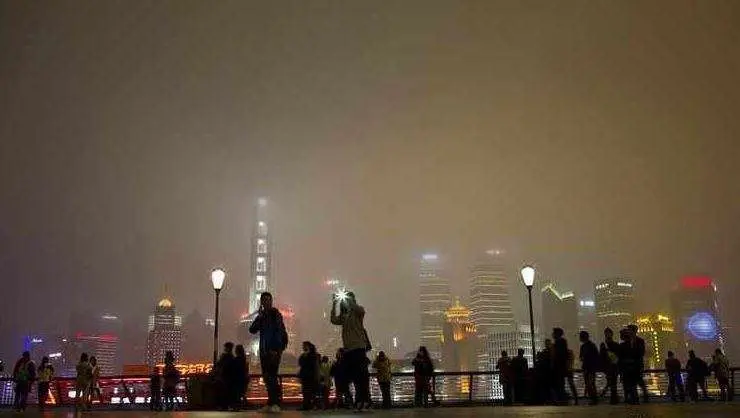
136, 138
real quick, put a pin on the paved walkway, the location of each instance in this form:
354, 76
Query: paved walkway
707, 410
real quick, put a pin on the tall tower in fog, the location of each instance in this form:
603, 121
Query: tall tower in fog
261, 278
490, 301
434, 299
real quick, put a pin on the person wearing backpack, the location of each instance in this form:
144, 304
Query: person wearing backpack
23, 375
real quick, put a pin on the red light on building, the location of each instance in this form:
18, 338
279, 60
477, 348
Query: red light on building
693, 282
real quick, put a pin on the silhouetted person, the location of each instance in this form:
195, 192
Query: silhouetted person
519, 368
675, 380
356, 344
240, 377
83, 381
308, 373
569, 376
273, 341
224, 374
609, 352
559, 363
640, 353
339, 373
590, 364
628, 366
44, 373
170, 377
382, 366
544, 374
95, 391
423, 372
697, 371
721, 368
23, 375
505, 378
155, 390
324, 381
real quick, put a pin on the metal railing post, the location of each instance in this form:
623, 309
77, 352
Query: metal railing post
470, 388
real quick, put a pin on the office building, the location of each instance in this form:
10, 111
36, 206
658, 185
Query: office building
490, 301
559, 310
261, 277
659, 334
614, 300
510, 341
587, 319
696, 314
434, 299
197, 338
165, 333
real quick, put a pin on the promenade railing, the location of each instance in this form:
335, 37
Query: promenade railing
451, 388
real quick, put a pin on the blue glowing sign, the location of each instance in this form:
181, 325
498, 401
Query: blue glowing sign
703, 326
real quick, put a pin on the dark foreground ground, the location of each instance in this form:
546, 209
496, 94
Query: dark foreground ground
707, 410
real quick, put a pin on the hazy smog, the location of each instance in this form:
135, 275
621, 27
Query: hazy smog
596, 140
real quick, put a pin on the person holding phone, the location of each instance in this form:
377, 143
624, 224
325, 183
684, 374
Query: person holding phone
273, 341
356, 344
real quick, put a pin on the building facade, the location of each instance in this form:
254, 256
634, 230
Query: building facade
490, 299
660, 336
459, 349
165, 333
696, 313
510, 341
559, 310
615, 300
434, 299
587, 318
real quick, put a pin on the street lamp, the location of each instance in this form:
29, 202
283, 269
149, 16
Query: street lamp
528, 279
217, 279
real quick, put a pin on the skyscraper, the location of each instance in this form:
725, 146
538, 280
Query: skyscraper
261, 278
559, 309
587, 319
165, 333
434, 299
697, 315
490, 302
614, 300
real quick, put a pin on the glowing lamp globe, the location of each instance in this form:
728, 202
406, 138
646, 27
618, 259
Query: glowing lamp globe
528, 275
217, 279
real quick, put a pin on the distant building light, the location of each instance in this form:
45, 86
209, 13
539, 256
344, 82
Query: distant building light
602, 286
262, 201
55, 355
587, 303
429, 257
624, 284
110, 317
567, 295
36, 340
395, 342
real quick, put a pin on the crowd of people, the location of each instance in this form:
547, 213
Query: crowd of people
619, 361
545, 383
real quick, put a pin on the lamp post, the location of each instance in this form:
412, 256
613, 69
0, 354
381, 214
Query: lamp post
217, 279
528, 279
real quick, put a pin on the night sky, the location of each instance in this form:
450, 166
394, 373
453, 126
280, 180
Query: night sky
593, 138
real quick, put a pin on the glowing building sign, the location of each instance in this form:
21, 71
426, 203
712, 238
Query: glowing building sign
703, 326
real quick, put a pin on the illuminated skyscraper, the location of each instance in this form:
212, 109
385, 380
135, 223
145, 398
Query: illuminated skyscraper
490, 302
614, 300
460, 340
261, 278
587, 319
696, 311
559, 309
434, 299
165, 333
659, 335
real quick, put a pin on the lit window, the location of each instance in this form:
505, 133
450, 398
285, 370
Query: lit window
261, 264
261, 246
261, 284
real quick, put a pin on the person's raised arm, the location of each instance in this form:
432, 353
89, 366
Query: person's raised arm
335, 319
